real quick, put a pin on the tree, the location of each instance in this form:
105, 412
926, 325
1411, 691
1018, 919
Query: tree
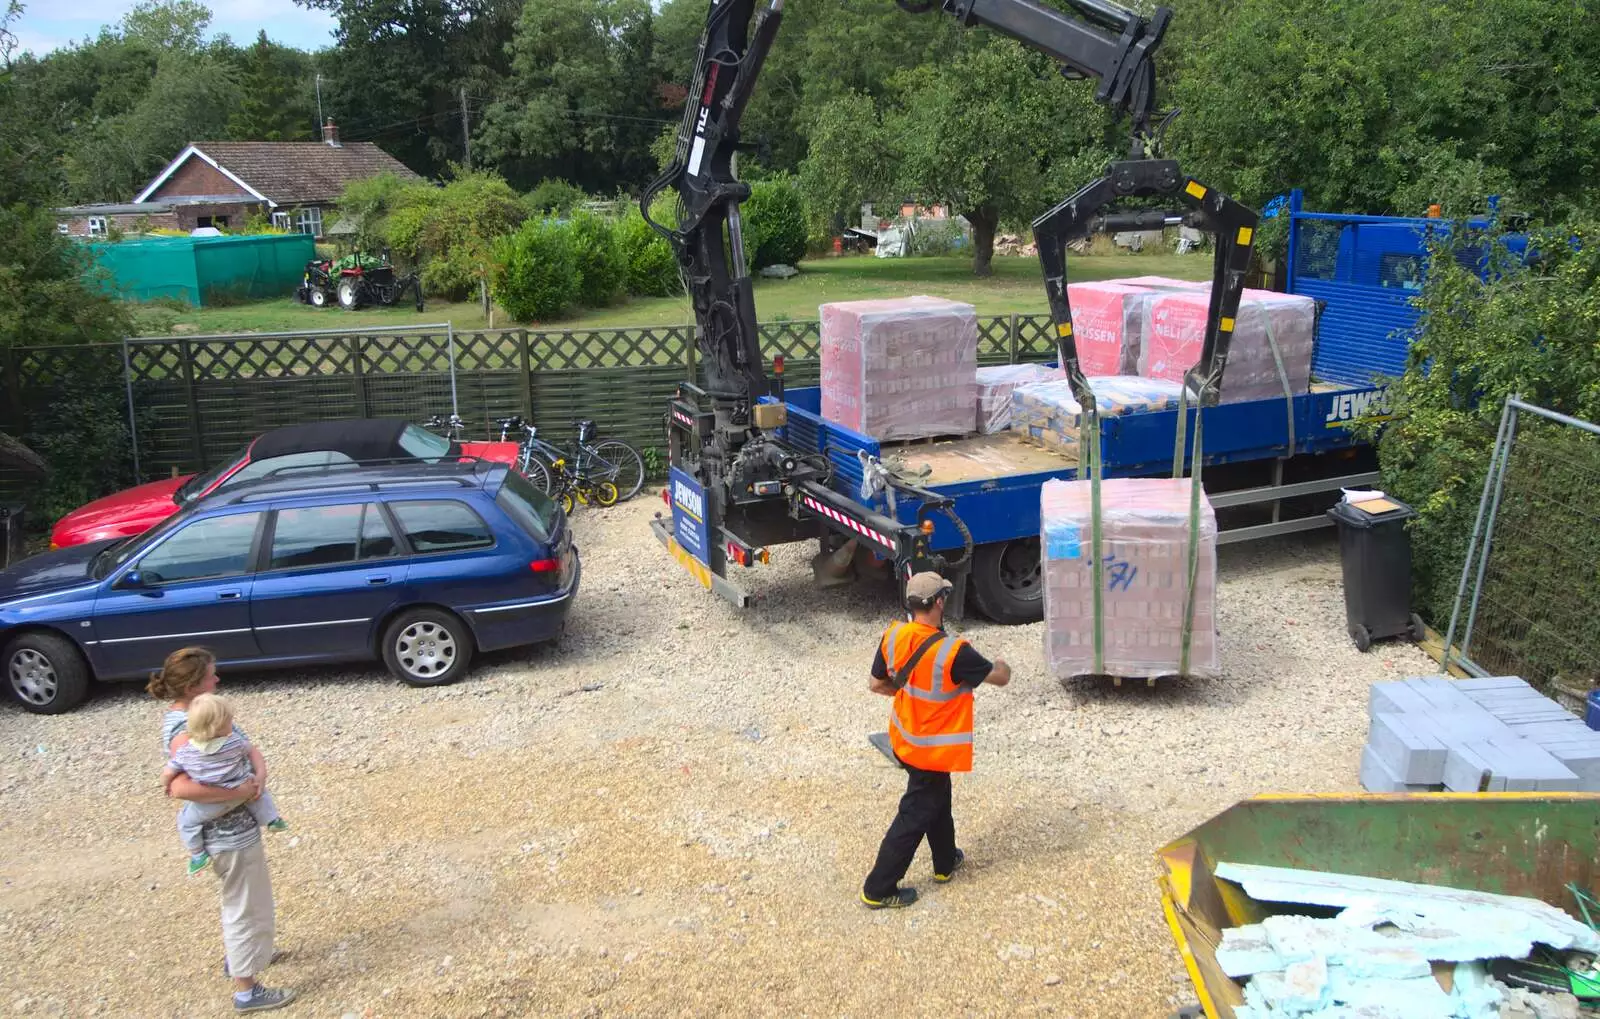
450, 231
1381, 108
980, 131
580, 103
189, 97
848, 161
168, 24
1527, 331
368, 204
398, 68
44, 295
277, 95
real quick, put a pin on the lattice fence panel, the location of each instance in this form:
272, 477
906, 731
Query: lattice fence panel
1036, 338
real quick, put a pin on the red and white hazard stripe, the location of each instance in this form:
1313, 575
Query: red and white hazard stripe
854, 525
684, 418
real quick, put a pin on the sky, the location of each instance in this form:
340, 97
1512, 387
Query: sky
48, 24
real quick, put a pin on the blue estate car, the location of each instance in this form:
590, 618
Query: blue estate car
419, 565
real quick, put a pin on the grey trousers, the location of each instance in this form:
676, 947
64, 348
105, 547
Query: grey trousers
193, 817
248, 922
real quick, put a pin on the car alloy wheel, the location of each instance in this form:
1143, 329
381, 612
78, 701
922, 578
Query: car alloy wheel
33, 677
425, 649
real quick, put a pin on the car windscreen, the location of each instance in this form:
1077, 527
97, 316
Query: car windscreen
536, 512
423, 444
191, 489
113, 556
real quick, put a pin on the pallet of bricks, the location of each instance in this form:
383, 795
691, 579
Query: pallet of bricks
1492, 735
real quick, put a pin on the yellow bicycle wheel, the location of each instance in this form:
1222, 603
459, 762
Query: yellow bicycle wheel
567, 503
606, 494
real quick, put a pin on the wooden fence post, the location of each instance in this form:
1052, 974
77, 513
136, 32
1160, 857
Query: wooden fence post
13, 388
197, 447
359, 375
527, 375
1011, 334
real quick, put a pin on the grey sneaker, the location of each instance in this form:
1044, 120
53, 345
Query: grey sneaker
263, 999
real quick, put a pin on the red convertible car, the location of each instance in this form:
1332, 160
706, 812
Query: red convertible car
316, 444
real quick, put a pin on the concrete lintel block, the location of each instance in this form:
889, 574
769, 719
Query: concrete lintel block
1465, 766
1493, 683
1413, 755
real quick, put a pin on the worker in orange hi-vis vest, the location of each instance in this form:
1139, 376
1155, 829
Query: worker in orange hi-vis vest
931, 676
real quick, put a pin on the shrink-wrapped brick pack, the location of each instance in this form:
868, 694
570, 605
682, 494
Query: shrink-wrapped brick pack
995, 386
1144, 547
1107, 321
1047, 413
1175, 328
1165, 283
897, 369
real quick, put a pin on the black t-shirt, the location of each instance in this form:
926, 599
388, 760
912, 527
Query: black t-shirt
969, 669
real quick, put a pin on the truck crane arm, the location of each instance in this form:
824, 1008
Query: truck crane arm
727, 434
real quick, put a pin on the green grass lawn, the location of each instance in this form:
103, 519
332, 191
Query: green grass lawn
1016, 286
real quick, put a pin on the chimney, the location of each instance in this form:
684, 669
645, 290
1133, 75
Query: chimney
330, 133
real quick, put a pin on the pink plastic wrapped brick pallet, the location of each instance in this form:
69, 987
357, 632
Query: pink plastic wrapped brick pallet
1175, 329
1107, 319
900, 369
1145, 549
995, 386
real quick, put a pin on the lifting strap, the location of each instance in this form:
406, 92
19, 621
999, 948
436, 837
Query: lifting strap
901, 676
1091, 415
1187, 637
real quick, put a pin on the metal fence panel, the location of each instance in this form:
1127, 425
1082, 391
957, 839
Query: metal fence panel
1530, 587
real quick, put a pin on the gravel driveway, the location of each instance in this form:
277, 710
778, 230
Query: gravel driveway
672, 813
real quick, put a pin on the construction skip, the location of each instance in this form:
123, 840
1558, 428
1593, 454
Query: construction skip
1409, 906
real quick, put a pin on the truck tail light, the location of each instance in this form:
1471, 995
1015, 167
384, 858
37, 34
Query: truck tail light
545, 566
666, 497
777, 365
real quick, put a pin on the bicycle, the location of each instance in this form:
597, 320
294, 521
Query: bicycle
572, 488
611, 459
537, 471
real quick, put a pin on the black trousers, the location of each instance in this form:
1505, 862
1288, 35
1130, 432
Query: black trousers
924, 811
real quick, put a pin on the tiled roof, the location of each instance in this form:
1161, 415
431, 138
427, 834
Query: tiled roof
291, 172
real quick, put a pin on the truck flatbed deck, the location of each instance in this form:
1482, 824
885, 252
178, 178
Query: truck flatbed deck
994, 480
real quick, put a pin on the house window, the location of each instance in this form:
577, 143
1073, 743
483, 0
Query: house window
63, 229
309, 221
280, 221
97, 226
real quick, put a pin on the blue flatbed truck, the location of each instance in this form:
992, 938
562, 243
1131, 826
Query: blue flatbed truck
1271, 466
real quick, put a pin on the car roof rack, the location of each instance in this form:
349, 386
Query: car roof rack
463, 459
254, 495
323, 478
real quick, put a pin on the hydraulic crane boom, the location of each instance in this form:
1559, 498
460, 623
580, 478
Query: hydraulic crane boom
723, 435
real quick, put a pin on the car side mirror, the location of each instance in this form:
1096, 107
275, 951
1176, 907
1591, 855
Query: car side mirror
133, 578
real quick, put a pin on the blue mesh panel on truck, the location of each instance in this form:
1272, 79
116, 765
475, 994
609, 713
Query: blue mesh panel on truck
1367, 275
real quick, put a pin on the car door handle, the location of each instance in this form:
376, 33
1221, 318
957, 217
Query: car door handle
227, 595
378, 581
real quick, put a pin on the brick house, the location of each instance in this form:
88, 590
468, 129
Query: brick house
222, 184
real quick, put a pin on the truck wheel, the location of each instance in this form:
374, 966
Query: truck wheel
1006, 582
45, 673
